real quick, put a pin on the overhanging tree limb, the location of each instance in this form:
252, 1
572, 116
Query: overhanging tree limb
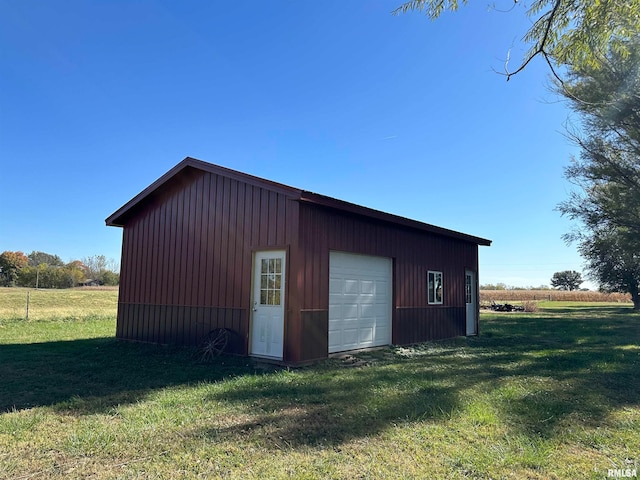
546, 19
564, 32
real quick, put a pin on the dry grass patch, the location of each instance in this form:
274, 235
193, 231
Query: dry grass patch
49, 304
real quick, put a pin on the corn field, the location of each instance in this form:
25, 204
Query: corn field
488, 296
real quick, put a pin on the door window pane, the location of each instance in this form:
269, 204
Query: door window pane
271, 281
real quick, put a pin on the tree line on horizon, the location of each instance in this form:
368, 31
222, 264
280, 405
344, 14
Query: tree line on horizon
567, 280
45, 270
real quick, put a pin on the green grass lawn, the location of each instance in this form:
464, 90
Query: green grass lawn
555, 394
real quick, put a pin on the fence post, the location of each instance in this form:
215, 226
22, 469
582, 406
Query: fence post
28, 297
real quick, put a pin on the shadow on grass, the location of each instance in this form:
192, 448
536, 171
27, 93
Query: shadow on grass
540, 374
594, 310
333, 407
582, 364
107, 371
538, 371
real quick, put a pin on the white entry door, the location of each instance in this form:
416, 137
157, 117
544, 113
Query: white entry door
267, 325
470, 291
359, 301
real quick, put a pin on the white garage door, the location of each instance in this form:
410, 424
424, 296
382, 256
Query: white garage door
359, 301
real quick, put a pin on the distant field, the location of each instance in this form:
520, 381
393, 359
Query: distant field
51, 304
487, 296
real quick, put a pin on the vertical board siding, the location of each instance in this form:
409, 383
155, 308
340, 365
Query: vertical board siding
187, 265
315, 341
198, 322
414, 253
414, 325
187, 256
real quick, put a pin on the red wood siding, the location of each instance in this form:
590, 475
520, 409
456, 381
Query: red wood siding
414, 253
179, 325
187, 256
414, 325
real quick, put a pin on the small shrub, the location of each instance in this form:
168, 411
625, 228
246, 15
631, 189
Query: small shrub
530, 306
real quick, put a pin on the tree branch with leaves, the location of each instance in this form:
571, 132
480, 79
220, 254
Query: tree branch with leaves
563, 32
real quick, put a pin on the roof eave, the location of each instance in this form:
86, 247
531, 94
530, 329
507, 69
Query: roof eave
329, 202
117, 219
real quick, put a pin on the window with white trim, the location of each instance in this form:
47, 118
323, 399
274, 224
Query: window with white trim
435, 287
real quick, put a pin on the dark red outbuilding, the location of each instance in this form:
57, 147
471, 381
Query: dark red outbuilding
292, 274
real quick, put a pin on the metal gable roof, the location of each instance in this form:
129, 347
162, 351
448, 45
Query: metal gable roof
120, 216
333, 203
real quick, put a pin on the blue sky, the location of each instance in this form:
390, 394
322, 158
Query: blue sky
100, 98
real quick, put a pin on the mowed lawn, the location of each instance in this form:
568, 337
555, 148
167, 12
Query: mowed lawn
555, 394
